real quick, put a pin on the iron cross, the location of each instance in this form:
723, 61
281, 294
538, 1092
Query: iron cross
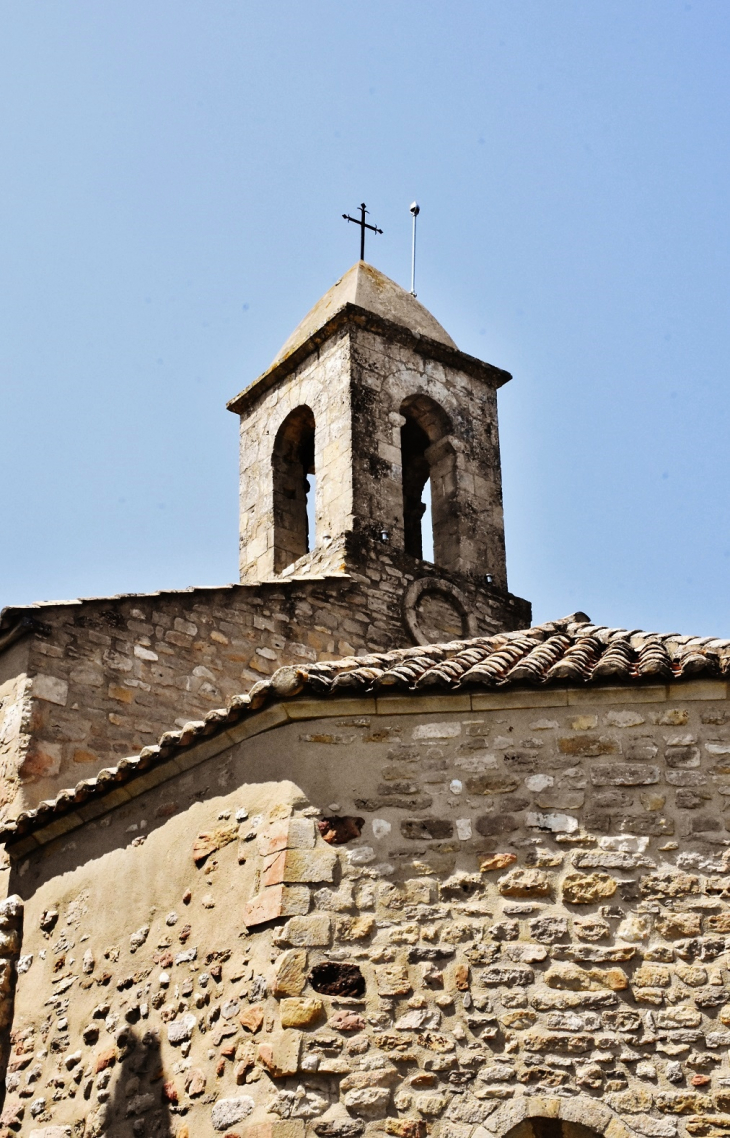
363, 226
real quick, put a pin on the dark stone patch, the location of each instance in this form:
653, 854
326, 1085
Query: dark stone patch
340, 830
338, 979
418, 829
488, 824
339, 1128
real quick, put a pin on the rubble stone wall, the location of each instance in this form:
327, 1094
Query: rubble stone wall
445, 915
100, 679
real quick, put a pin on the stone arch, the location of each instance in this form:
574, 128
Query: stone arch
538, 1116
292, 461
541, 1127
427, 452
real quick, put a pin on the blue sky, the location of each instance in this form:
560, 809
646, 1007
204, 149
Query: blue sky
174, 177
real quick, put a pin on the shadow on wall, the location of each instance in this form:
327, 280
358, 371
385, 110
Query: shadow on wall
140, 1099
551, 1128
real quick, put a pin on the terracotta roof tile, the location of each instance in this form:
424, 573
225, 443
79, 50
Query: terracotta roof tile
568, 651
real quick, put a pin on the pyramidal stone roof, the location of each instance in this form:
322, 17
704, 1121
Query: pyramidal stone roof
371, 290
566, 652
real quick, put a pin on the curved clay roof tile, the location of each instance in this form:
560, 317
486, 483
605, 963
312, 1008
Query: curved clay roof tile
534, 667
654, 660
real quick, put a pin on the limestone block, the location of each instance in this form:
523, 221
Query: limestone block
567, 975
525, 883
592, 927
195, 1081
304, 932
527, 953
286, 834
653, 996
279, 1054
678, 1017
571, 1021
277, 1128
519, 1020
9, 942
354, 928
656, 886
652, 976
497, 861
683, 1102
570, 1044
290, 974
587, 888
609, 859
492, 783
407, 1127
548, 929
636, 926
556, 822
207, 843
716, 923
654, 1127
515, 975
180, 1030
300, 1012
289, 866
371, 1102
228, 1111
598, 954
421, 890
547, 1000
277, 901
431, 1104
392, 980
688, 974
50, 689
674, 925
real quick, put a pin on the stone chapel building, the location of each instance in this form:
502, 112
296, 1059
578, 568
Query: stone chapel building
349, 848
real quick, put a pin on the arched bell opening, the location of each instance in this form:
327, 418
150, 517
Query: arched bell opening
425, 480
293, 472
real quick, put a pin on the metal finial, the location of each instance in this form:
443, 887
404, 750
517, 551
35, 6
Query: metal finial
415, 209
363, 226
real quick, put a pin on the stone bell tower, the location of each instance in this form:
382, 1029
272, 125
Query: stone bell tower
369, 400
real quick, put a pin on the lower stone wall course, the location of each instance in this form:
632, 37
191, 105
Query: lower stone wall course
461, 968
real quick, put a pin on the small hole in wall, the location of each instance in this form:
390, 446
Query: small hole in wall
338, 980
337, 831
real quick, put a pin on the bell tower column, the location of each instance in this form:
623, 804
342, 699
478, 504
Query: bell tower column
367, 409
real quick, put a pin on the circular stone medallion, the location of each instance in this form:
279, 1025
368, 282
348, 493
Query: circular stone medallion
435, 611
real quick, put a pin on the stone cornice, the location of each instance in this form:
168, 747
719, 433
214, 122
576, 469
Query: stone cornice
353, 316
